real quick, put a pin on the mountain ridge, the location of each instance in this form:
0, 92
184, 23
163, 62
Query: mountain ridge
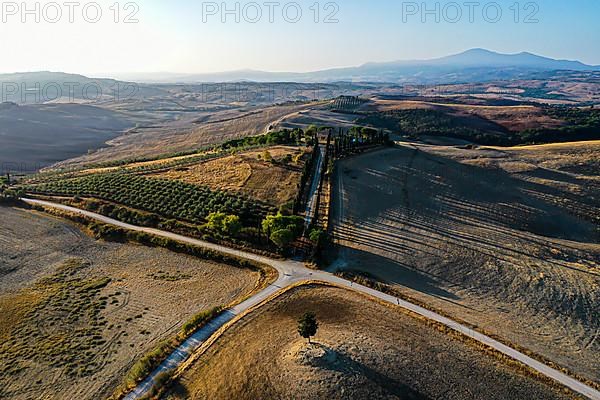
473, 65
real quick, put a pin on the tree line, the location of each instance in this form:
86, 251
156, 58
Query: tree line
356, 138
580, 124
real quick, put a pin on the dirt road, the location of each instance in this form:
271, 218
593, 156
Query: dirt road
292, 272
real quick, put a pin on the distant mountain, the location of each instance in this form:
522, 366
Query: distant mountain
486, 58
472, 66
476, 65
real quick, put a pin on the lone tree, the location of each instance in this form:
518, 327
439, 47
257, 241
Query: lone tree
308, 326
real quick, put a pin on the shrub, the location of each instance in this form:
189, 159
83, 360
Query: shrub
198, 321
317, 236
214, 221
282, 238
232, 225
148, 363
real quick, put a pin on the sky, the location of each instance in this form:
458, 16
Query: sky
186, 36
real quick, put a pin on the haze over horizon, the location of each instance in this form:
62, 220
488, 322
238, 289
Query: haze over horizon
185, 37
465, 53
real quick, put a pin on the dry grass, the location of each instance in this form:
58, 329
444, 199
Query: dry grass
364, 350
500, 239
14, 308
274, 183
78, 313
187, 133
580, 159
141, 164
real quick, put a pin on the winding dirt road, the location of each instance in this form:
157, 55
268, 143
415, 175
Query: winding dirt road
292, 272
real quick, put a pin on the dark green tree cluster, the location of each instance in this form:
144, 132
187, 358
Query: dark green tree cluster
580, 124
168, 198
309, 165
317, 236
348, 142
285, 136
283, 229
417, 122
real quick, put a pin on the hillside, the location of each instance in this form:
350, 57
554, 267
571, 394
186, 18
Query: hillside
505, 239
36, 136
363, 350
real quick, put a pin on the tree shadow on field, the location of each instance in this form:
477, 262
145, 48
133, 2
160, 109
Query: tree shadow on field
344, 364
392, 272
426, 185
178, 390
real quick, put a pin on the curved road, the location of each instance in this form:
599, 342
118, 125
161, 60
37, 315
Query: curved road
291, 272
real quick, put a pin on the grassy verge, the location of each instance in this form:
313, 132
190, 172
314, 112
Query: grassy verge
121, 235
247, 240
198, 321
152, 360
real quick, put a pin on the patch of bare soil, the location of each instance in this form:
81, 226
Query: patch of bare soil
37, 135
504, 239
363, 350
75, 313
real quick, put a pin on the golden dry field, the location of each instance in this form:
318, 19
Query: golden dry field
76, 313
504, 239
275, 183
363, 350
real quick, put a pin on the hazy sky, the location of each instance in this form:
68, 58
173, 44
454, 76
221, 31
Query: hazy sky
190, 36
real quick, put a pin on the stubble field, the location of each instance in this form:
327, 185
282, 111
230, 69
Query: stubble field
275, 183
504, 239
77, 313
